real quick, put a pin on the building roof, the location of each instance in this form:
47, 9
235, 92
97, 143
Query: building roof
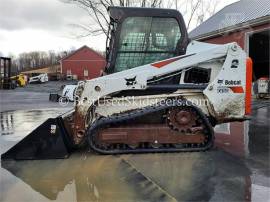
241, 13
76, 51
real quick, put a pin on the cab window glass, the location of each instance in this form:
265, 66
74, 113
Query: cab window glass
143, 41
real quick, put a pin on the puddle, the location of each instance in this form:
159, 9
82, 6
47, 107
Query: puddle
84, 178
222, 174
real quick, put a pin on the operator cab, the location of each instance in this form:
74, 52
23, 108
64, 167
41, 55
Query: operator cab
139, 36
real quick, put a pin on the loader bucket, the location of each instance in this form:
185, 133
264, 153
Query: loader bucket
48, 141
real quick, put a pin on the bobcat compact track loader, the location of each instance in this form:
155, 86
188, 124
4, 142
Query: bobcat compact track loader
159, 92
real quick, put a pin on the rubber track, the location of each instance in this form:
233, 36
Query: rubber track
106, 122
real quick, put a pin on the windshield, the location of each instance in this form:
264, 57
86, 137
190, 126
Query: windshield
145, 40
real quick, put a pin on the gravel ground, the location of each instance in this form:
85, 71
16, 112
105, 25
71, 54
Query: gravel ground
33, 96
51, 86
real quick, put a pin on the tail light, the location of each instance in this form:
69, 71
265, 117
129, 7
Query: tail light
248, 86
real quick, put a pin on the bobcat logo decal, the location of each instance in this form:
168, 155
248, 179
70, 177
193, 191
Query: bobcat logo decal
131, 81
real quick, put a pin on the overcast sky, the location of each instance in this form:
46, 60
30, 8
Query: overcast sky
27, 25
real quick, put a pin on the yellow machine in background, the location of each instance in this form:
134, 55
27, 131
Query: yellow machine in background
6, 80
20, 80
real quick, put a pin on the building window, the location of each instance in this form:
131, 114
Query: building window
69, 72
85, 72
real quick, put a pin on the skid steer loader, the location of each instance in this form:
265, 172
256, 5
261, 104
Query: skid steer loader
159, 92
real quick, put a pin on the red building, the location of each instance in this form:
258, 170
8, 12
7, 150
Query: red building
82, 64
246, 22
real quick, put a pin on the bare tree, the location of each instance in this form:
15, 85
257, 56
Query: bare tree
206, 10
194, 5
194, 11
34, 59
97, 10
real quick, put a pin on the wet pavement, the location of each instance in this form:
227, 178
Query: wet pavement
237, 169
32, 96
